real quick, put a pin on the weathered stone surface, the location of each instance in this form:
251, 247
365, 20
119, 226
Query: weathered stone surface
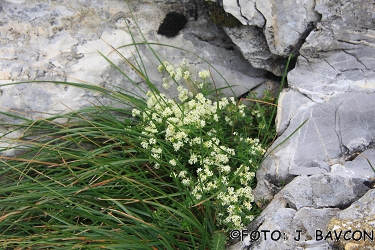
297, 228
290, 102
245, 11
234, 9
277, 28
326, 148
253, 45
250, 12
333, 131
359, 218
60, 41
331, 73
359, 167
338, 56
332, 85
305, 205
285, 22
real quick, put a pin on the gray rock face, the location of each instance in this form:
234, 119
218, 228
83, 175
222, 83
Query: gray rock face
285, 22
283, 27
331, 88
60, 41
302, 209
334, 131
250, 12
338, 55
253, 45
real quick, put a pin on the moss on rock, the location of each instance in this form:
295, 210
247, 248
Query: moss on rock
220, 17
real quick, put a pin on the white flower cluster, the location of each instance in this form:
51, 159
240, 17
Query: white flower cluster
182, 72
176, 73
195, 128
204, 74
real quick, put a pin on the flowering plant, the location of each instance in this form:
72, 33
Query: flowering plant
205, 143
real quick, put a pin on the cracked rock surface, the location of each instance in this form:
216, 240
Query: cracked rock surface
60, 40
338, 56
284, 26
327, 163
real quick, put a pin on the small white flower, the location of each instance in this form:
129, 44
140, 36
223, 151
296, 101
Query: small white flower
226, 169
186, 182
178, 74
166, 85
203, 123
193, 159
173, 162
204, 74
186, 75
248, 205
144, 145
173, 175
152, 141
136, 112
177, 145
156, 156
182, 174
156, 150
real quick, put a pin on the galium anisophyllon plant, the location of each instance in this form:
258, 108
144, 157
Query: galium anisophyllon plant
205, 143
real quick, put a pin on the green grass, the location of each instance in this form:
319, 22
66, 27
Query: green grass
89, 184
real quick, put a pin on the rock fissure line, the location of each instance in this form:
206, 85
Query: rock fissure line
359, 61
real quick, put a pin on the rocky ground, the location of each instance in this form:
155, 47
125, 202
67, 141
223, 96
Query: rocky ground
319, 183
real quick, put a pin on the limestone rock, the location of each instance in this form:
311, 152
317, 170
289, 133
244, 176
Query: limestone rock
333, 131
285, 22
274, 30
233, 8
356, 224
297, 228
331, 88
338, 55
250, 12
60, 41
302, 209
360, 166
245, 11
290, 101
339, 174
253, 45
